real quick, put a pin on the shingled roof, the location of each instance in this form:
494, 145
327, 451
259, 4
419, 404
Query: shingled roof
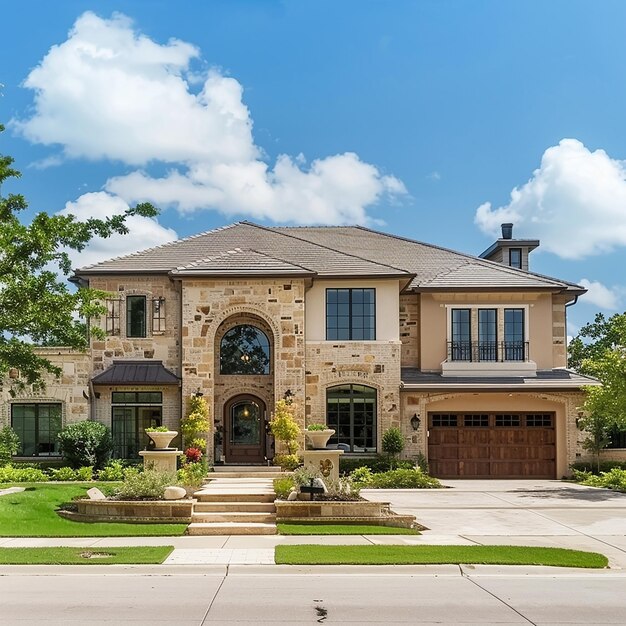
248, 249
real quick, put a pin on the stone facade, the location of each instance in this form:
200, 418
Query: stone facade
409, 330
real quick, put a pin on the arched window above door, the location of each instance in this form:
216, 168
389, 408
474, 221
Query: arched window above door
245, 349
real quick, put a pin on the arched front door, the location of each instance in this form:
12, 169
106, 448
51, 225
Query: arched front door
244, 426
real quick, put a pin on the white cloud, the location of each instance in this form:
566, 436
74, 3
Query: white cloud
111, 92
144, 232
600, 295
575, 202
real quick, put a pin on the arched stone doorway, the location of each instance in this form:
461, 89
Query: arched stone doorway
245, 429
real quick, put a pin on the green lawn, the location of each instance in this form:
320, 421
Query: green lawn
32, 513
297, 528
414, 555
85, 556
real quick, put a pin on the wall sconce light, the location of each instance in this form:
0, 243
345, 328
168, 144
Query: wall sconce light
415, 421
579, 419
198, 394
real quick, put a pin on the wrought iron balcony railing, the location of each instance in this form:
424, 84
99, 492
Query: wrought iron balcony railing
494, 351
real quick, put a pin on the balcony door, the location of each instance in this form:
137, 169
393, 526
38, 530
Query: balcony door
487, 334
514, 339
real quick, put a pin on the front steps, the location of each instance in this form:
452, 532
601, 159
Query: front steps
236, 501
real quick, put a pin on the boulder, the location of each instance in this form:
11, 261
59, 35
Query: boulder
174, 493
95, 494
292, 496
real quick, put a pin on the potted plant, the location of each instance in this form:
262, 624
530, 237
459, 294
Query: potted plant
318, 435
162, 436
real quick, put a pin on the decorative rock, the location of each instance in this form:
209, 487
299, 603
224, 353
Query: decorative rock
318, 482
95, 494
292, 496
174, 493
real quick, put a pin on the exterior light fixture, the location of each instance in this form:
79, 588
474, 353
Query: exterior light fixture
245, 357
288, 395
198, 394
245, 412
415, 421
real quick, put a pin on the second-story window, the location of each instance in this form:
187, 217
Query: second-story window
135, 316
158, 315
113, 316
515, 258
488, 334
461, 335
514, 341
351, 314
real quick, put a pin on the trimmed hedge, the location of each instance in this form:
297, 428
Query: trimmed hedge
591, 466
378, 463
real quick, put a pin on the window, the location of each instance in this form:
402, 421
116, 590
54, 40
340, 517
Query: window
158, 315
617, 438
444, 420
461, 335
37, 426
508, 421
476, 421
487, 334
351, 412
351, 314
515, 258
129, 419
245, 349
135, 316
539, 421
112, 319
514, 345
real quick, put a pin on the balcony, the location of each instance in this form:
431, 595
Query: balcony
488, 358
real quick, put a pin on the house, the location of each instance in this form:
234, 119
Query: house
361, 329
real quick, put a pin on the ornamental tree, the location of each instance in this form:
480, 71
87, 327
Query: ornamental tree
37, 306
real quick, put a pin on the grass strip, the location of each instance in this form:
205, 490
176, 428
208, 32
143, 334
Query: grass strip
32, 513
302, 528
140, 555
436, 555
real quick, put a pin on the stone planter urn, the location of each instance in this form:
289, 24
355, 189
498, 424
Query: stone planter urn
162, 439
319, 438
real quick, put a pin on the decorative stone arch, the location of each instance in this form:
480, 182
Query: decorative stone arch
243, 309
232, 391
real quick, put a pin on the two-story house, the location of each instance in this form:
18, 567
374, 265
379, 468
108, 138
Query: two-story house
361, 329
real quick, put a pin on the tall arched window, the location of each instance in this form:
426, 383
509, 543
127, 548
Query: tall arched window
245, 349
351, 411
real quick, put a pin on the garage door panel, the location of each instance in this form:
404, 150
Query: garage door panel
487, 445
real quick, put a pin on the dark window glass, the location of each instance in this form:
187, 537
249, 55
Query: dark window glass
112, 319
245, 350
137, 397
514, 345
128, 424
245, 423
508, 420
461, 335
351, 412
515, 258
37, 426
443, 420
476, 421
351, 314
487, 334
617, 438
158, 315
135, 316
544, 421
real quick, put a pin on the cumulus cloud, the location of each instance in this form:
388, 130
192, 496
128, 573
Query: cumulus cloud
575, 202
110, 92
144, 232
601, 295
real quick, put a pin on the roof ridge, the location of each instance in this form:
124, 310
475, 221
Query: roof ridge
487, 262
319, 245
163, 245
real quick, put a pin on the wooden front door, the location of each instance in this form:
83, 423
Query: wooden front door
244, 426
483, 445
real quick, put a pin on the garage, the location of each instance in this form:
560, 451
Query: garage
492, 445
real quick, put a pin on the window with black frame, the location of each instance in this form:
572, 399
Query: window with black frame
37, 426
135, 316
461, 345
488, 334
515, 258
351, 413
351, 314
131, 413
245, 349
514, 339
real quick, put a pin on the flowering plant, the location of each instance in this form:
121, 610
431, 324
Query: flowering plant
193, 455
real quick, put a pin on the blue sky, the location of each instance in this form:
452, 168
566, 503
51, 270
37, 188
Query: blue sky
408, 116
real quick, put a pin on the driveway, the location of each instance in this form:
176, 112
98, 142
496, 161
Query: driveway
517, 512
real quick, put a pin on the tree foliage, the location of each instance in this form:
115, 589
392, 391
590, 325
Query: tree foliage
594, 339
284, 426
37, 307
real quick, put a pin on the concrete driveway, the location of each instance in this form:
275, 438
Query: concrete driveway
517, 512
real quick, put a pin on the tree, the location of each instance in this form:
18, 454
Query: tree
284, 426
37, 306
393, 444
603, 357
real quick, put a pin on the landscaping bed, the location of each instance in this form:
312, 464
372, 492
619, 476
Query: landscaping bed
131, 511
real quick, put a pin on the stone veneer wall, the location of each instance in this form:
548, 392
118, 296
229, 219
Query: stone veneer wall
208, 303
409, 329
372, 363
419, 402
163, 346
68, 389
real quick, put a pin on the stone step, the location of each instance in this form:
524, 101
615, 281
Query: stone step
234, 507
259, 469
246, 474
231, 528
265, 518
233, 495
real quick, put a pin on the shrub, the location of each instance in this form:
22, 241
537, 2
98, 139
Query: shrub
284, 426
199, 443
158, 429
112, 471
288, 462
316, 427
343, 489
11, 474
591, 466
393, 443
63, 474
193, 455
192, 474
362, 476
613, 479
86, 443
378, 463
302, 476
9, 444
283, 487
422, 462
403, 479
147, 485
196, 422
84, 473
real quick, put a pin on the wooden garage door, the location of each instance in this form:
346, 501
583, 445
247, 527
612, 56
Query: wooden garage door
488, 445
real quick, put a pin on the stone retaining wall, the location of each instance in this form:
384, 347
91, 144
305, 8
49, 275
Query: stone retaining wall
135, 511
